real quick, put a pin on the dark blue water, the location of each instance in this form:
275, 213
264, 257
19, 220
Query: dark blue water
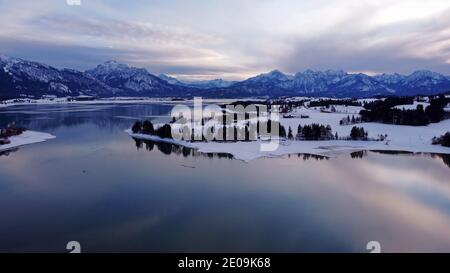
96, 185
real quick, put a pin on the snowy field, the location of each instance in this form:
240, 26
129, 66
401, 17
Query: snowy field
447, 108
341, 109
412, 106
400, 138
27, 137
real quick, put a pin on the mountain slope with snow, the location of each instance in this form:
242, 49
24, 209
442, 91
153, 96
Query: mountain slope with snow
204, 84
21, 78
131, 80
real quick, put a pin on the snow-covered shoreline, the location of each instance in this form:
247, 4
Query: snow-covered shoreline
27, 137
248, 151
402, 138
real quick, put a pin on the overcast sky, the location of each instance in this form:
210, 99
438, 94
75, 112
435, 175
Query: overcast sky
231, 39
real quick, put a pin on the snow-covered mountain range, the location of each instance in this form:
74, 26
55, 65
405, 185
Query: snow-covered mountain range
132, 81
342, 84
22, 78
201, 84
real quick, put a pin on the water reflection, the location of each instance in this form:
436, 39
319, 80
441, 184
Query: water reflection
445, 158
169, 149
312, 156
95, 184
50, 117
8, 152
358, 154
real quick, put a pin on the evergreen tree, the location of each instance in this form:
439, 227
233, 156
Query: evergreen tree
290, 135
358, 133
446, 140
164, 132
147, 128
282, 131
137, 127
435, 111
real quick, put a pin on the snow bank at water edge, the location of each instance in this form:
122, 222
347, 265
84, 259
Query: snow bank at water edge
27, 137
247, 151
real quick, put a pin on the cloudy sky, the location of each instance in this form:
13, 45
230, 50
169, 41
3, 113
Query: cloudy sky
231, 39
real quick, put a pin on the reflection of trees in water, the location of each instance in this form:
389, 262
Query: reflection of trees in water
445, 158
312, 156
169, 149
392, 152
359, 154
8, 152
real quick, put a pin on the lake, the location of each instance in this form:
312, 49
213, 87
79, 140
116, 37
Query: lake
96, 185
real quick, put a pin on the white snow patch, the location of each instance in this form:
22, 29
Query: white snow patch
27, 137
412, 106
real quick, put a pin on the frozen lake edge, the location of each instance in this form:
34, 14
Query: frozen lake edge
27, 137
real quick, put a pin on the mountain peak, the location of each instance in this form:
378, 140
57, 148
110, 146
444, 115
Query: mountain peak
274, 74
424, 73
108, 67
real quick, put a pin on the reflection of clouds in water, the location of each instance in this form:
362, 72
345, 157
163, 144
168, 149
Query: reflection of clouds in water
393, 202
130, 228
445, 157
355, 189
400, 195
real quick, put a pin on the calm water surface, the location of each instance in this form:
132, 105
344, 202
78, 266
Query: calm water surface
96, 185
